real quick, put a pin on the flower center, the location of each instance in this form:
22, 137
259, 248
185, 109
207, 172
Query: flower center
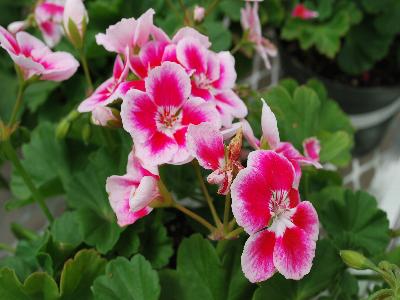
280, 212
202, 81
168, 120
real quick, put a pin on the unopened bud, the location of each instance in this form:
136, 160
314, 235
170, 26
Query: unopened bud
356, 260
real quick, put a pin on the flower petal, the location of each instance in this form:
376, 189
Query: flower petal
312, 147
249, 135
59, 66
230, 105
99, 97
196, 111
192, 55
257, 256
293, 253
252, 188
138, 114
306, 218
190, 32
144, 25
118, 36
158, 149
119, 189
227, 74
144, 194
151, 54
205, 142
269, 126
168, 84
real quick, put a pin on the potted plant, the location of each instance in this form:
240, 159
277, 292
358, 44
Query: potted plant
353, 47
177, 183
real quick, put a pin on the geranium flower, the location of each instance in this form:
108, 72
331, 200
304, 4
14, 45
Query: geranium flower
251, 24
157, 119
206, 144
127, 33
271, 137
131, 194
213, 77
108, 91
302, 12
35, 59
283, 231
48, 17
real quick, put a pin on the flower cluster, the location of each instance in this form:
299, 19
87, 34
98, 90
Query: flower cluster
176, 98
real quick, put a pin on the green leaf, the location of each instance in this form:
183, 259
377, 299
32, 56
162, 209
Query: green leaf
231, 8
38, 286
220, 36
37, 94
66, 231
125, 279
86, 192
326, 266
36, 154
326, 33
155, 245
99, 232
79, 273
305, 111
356, 222
8, 87
202, 275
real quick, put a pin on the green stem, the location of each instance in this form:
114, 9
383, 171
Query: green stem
6, 248
194, 216
226, 211
234, 233
237, 47
85, 67
209, 200
13, 157
394, 233
18, 102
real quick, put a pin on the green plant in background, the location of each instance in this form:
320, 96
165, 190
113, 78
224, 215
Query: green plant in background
355, 34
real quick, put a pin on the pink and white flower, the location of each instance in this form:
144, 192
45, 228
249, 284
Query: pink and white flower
271, 138
108, 91
251, 24
198, 13
213, 77
302, 12
75, 12
158, 118
127, 34
48, 17
283, 231
131, 194
206, 144
35, 59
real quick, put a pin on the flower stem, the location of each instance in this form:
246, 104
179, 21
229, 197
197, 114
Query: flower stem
18, 103
13, 157
237, 47
85, 67
7, 248
194, 216
209, 200
234, 233
227, 210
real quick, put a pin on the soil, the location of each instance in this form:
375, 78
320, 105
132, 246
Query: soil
385, 73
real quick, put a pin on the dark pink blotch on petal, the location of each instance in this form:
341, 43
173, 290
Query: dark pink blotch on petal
192, 55
294, 253
306, 218
257, 256
168, 84
205, 142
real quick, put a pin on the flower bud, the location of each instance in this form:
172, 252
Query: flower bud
356, 260
75, 20
17, 26
198, 13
